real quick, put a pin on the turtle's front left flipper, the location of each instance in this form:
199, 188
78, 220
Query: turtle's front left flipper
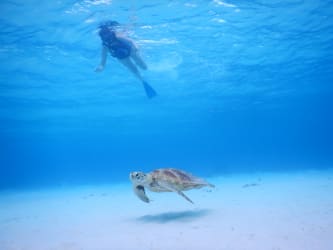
140, 192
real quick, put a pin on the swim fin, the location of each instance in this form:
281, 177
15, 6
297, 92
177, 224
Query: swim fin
150, 92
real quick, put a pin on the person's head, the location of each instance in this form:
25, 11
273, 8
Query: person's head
107, 30
110, 24
106, 34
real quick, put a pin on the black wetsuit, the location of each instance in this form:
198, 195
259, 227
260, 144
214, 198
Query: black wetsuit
119, 48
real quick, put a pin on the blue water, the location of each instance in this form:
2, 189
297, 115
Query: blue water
243, 86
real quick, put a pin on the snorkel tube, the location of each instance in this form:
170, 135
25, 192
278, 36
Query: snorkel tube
108, 24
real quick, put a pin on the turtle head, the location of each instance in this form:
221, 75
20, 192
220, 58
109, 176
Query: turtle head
139, 178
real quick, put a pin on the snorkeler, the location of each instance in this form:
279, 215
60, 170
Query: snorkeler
124, 50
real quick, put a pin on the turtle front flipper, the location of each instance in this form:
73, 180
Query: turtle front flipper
140, 192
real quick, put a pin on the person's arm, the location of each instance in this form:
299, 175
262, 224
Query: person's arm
104, 54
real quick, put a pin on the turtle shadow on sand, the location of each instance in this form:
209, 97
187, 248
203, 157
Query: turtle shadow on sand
184, 216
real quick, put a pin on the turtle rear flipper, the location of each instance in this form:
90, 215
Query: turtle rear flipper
172, 189
140, 192
182, 194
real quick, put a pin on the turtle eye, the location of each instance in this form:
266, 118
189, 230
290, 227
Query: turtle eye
138, 176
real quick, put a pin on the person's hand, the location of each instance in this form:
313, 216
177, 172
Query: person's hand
99, 68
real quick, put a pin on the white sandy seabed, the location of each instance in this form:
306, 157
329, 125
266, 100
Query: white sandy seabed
244, 212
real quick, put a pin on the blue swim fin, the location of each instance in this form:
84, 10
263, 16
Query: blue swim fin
150, 92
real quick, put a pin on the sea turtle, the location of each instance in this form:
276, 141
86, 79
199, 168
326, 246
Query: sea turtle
165, 180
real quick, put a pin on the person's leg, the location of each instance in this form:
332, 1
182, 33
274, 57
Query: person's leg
131, 66
135, 55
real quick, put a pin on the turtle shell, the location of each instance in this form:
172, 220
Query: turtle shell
178, 179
